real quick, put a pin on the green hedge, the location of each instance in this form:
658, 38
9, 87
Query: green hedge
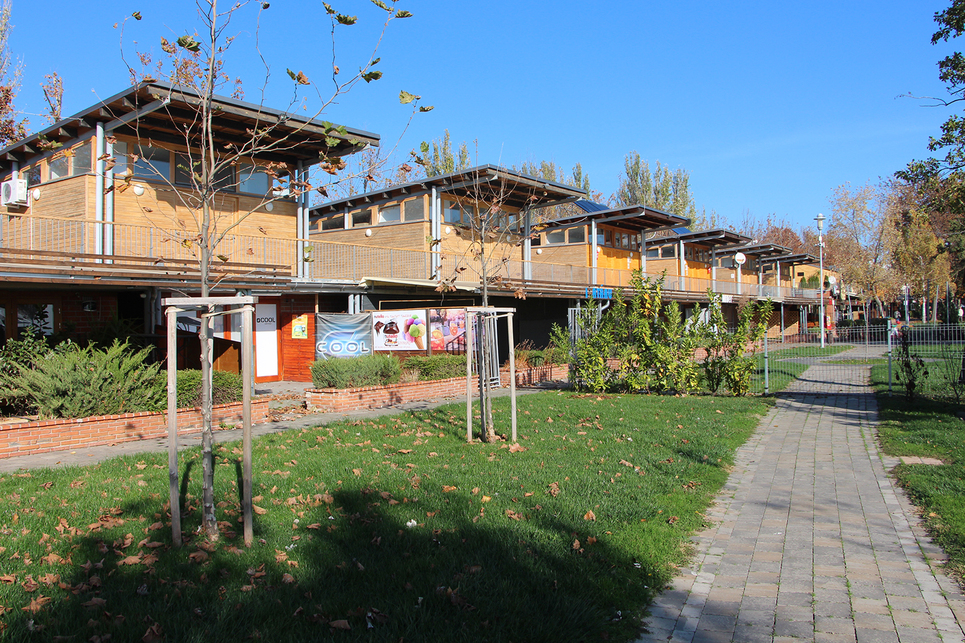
437, 367
225, 387
355, 372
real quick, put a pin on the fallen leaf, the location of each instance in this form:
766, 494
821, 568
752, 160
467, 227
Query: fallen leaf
340, 624
287, 578
198, 556
95, 602
516, 448
576, 545
261, 511
589, 515
37, 604
154, 634
448, 488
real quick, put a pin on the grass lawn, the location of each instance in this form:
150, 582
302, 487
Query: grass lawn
386, 530
930, 428
785, 365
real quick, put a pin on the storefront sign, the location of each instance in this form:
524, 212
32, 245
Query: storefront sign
399, 330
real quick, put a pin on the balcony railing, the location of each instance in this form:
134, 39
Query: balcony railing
76, 238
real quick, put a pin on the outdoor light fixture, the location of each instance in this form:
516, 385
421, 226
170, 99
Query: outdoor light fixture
138, 190
820, 221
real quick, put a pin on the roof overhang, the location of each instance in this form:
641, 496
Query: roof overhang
635, 217
165, 113
718, 239
431, 284
792, 259
764, 251
487, 183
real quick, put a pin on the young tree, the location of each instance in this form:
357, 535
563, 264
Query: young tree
195, 66
661, 189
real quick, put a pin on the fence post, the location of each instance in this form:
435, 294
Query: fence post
767, 379
889, 354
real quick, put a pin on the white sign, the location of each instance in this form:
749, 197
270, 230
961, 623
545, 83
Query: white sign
740, 258
266, 340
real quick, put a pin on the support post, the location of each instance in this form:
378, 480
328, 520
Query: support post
174, 497
470, 354
512, 376
247, 372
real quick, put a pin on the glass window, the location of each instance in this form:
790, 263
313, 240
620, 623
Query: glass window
556, 236
390, 213
253, 180
80, 163
185, 166
333, 223
120, 157
669, 251
452, 213
362, 217
625, 241
599, 237
415, 209
608, 238
37, 317
653, 253
578, 235
32, 175
151, 163
59, 167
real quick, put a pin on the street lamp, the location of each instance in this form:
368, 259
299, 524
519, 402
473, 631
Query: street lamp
820, 221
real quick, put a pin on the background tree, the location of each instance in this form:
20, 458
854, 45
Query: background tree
862, 238
921, 259
196, 63
53, 88
12, 126
438, 158
660, 189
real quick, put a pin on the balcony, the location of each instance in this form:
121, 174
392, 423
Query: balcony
57, 250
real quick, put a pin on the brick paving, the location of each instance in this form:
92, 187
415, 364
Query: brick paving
810, 539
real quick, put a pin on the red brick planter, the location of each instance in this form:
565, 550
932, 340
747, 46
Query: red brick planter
376, 397
42, 436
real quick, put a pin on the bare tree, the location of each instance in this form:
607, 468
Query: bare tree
195, 67
13, 127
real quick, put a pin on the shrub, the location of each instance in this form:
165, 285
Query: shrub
353, 372
80, 382
437, 367
225, 387
26, 352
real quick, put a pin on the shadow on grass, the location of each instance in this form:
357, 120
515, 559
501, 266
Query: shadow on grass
348, 571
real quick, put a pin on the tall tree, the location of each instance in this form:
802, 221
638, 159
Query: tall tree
438, 158
660, 189
940, 181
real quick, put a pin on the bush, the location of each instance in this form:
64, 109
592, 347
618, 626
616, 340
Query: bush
354, 372
81, 382
25, 352
437, 367
225, 388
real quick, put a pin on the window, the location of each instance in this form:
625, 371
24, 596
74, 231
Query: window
608, 238
600, 238
333, 223
185, 166
59, 167
415, 209
120, 157
556, 236
80, 164
32, 175
653, 253
578, 235
253, 180
362, 217
151, 163
37, 317
390, 213
452, 213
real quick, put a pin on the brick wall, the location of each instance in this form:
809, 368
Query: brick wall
375, 397
43, 436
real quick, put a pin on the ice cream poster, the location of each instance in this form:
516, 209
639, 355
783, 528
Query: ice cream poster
399, 330
447, 330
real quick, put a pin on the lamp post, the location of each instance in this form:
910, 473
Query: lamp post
820, 221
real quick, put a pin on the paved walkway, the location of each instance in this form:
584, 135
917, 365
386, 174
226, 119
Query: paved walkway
812, 541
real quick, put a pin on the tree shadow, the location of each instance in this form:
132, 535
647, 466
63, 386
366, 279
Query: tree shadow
358, 565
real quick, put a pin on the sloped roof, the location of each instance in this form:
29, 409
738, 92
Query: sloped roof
483, 182
719, 237
160, 112
634, 217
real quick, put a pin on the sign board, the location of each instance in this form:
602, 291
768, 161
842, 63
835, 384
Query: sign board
399, 330
447, 330
343, 335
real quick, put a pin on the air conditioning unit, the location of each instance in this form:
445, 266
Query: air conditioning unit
13, 192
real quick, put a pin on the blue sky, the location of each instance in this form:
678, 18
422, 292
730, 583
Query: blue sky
769, 106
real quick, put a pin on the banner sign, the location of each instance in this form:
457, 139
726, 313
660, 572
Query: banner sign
339, 335
447, 330
399, 330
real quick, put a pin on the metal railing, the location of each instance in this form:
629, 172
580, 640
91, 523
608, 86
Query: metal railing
326, 260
